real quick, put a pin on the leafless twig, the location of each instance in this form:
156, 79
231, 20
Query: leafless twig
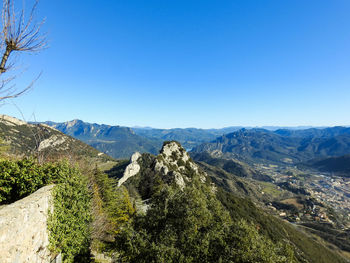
18, 34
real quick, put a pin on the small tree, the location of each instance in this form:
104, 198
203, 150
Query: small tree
17, 34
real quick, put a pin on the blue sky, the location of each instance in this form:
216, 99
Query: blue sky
190, 63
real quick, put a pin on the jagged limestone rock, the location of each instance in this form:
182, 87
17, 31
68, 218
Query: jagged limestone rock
174, 161
132, 169
53, 141
179, 180
23, 229
173, 164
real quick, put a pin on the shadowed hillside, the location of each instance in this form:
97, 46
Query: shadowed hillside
258, 145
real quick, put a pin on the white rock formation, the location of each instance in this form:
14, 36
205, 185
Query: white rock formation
132, 169
179, 180
11, 120
23, 229
53, 141
174, 159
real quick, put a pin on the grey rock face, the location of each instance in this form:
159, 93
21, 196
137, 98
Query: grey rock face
174, 161
132, 169
23, 229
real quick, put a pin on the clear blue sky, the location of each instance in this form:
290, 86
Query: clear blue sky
170, 63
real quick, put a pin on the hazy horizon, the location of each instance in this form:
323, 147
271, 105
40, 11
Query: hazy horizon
272, 127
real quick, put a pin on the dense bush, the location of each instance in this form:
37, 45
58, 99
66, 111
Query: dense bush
68, 225
112, 208
23, 177
116, 202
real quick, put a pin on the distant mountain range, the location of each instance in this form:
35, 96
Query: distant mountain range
327, 132
288, 146
188, 137
192, 137
122, 142
280, 146
116, 141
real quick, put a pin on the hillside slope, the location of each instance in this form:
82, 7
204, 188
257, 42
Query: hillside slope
258, 145
23, 139
337, 165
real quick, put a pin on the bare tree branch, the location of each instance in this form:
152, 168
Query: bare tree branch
9, 92
18, 34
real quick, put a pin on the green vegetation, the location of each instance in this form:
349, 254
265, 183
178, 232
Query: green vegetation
337, 165
237, 168
69, 224
271, 189
19, 179
191, 225
23, 177
340, 238
152, 219
199, 224
116, 202
112, 209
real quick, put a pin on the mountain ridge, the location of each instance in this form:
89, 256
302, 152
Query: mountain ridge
116, 141
263, 145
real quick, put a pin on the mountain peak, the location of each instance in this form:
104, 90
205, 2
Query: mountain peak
175, 163
172, 148
172, 164
73, 122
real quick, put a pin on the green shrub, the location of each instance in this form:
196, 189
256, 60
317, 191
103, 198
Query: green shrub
19, 179
69, 223
116, 201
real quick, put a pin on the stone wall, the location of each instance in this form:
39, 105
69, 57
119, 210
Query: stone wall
23, 229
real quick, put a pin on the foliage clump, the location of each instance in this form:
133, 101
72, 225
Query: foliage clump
69, 224
69, 220
116, 202
20, 178
112, 208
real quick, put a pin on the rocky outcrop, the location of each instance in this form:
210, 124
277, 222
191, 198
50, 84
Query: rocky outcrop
11, 120
53, 141
174, 162
132, 169
23, 229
